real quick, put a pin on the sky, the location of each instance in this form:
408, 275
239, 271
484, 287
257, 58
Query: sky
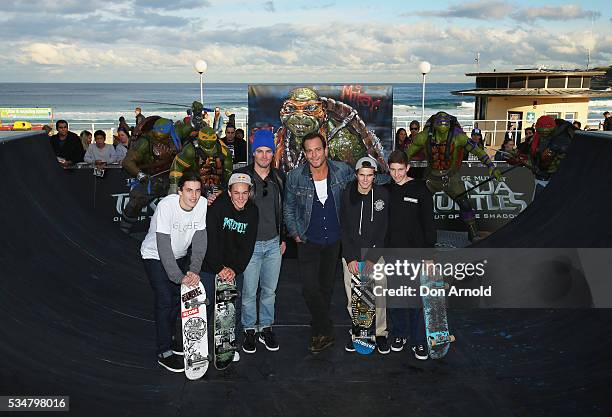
294, 41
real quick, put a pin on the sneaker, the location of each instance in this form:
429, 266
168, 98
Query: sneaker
236, 357
177, 347
313, 343
420, 352
349, 347
397, 345
248, 344
382, 345
266, 336
322, 343
173, 363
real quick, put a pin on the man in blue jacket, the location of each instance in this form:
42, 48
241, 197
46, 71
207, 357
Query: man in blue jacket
311, 211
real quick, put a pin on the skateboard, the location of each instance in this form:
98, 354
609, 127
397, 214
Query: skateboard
225, 322
363, 308
436, 323
195, 335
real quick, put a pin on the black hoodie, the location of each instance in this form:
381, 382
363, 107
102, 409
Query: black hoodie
410, 216
364, 220
231, 235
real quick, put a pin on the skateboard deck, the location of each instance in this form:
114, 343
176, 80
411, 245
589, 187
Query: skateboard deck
225, 322
363, 308
194, 326
436, 323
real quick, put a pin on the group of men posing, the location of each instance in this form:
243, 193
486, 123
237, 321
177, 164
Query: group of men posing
326, 206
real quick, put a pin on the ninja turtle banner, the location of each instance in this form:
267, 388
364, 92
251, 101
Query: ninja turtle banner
355, 119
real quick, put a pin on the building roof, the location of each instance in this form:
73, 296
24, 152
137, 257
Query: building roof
540, 92
535, 72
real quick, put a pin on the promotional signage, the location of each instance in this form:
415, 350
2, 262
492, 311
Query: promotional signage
11, 113
353, 118
495, 203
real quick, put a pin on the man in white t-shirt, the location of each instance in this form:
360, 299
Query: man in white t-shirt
178, 223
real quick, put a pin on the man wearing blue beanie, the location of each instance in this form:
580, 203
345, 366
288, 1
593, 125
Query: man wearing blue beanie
264, 267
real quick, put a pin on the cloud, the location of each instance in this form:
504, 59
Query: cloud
562, 13
169, 6
160, 45
497, 9
57, 7
315, 6
269, 6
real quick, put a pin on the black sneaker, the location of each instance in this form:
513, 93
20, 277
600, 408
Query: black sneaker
266, 336
322, 343
313, 343
397, 344
382, 345
173, 363
177, 347
349, 347
249, 345
420, 352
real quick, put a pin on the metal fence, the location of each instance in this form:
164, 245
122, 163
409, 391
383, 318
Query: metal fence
493, 131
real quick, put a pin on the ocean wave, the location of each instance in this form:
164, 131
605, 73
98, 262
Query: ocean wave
467, 104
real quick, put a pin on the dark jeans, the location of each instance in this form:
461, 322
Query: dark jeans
317, 270
167, 300
208, 280
399, 326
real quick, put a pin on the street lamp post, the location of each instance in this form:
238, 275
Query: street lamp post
200, 67
424, 67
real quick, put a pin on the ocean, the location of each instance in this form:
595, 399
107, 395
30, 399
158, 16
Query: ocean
83, 104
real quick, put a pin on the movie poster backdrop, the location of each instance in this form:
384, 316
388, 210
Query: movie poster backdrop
355, 118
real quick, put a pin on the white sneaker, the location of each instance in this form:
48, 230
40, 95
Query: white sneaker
236, 357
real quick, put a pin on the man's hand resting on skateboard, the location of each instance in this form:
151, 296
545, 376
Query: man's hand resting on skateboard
191, 279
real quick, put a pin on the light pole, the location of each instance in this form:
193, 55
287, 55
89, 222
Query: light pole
424, 67
200, 67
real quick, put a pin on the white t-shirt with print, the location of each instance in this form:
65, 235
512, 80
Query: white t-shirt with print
181, 225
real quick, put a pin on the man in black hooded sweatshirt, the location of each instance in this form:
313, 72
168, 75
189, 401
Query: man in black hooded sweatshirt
411, 225
364, 225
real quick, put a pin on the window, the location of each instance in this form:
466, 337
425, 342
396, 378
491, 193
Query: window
586, 82
517, 82
536, 82
570, 117
485, 82
554, 115
574, 82
556, 82
502, 82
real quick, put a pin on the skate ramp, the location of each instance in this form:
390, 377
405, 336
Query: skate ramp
76, 314
573, 211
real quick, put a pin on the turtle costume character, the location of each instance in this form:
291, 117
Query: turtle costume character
546, 151
304, 112
209, 156
157, 141
444, 142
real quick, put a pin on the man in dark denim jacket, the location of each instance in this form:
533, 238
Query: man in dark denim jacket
311, 211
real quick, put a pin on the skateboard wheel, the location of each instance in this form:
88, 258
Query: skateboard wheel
451, 338
206, 301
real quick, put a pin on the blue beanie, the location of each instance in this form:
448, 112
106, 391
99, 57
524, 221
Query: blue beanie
263, 137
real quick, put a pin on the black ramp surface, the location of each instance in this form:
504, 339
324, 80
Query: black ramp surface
574, 210
76, 319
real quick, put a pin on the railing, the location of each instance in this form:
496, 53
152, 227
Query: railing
493, 131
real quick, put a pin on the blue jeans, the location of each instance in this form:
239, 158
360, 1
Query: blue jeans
262, 271
167, 297
399, 327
